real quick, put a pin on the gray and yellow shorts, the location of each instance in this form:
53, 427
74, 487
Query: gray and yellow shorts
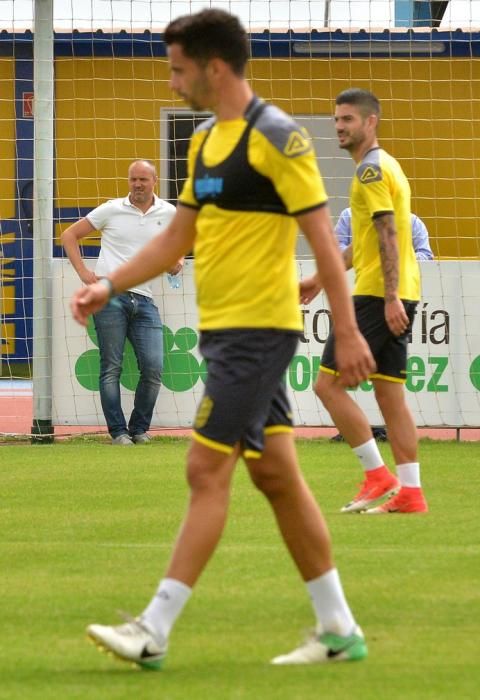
245, 396
389, 351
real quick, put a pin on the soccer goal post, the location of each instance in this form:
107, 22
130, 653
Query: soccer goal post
43, 164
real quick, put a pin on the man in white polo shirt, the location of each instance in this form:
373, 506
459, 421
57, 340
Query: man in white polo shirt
126, 225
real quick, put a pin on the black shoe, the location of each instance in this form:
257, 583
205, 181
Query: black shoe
337, 438
380, 434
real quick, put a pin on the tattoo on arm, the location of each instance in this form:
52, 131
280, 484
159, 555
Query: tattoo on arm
387, 242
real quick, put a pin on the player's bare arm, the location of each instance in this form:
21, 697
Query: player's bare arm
347, 256
177, 267
70, 237
395, 314
354, 360
309, 288
161, 254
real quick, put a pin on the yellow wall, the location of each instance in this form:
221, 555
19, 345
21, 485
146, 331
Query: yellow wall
7, 201
108, 112
7, 138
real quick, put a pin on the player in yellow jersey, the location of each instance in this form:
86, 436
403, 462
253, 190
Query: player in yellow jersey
386, 292
252, 180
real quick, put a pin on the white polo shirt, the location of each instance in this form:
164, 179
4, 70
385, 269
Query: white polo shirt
125, 230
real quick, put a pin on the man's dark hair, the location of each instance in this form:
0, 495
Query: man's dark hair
210, 34
363, 99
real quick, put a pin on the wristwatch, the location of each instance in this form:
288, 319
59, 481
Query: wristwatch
107, 283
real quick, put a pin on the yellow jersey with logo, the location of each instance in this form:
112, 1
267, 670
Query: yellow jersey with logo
249, 178
380, 187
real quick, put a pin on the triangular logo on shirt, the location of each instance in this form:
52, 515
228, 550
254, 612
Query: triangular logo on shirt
296, 144
370, 174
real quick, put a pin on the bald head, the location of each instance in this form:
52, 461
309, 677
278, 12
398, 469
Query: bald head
145, 162
142, 178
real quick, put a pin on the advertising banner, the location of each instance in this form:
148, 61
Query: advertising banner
443, 378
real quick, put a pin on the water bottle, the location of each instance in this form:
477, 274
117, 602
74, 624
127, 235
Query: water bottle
174, 281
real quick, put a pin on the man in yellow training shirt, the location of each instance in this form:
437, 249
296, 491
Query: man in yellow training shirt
386, 292
252, 180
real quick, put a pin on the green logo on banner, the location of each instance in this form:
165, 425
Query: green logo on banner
181, 369
475, 373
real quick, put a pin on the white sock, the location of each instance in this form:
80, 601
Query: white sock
329, 603
409, 474
167, 604
369, 455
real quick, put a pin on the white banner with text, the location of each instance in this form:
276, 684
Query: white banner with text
443, 377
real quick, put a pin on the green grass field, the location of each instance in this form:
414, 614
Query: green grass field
86, 529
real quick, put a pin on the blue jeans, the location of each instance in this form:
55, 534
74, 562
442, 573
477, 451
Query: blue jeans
132, 316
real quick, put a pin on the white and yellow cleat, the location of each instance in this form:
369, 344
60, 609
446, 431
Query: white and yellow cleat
133, 641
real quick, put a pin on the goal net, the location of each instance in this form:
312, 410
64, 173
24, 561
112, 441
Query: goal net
112, 103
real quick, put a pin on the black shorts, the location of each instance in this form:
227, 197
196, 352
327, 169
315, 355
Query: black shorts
245, 395
390, 351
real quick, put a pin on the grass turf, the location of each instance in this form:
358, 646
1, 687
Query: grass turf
87, 529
